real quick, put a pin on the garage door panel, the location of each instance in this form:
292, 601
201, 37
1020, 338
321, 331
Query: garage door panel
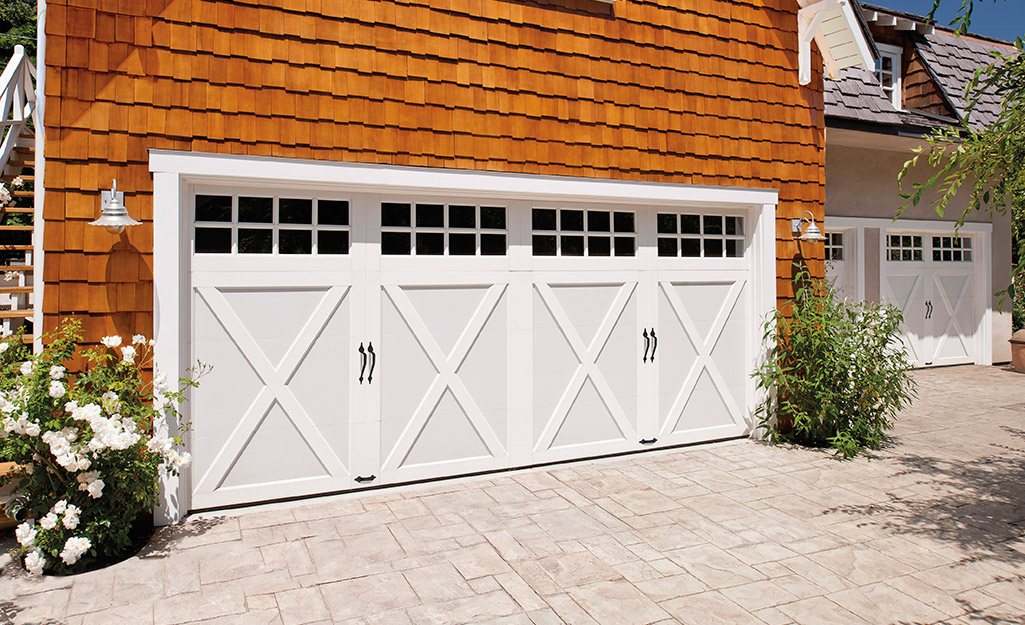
275, 423
703, 379
439, 421
907, 292
585, 350
951, 318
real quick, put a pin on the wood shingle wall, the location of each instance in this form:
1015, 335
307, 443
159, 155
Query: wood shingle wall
699, 92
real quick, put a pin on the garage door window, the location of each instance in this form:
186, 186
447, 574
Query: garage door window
834, 246
409, 229
697, 236
242, 224
951, 249
579, 232
904, 247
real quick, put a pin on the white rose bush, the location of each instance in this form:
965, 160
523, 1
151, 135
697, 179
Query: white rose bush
91, 446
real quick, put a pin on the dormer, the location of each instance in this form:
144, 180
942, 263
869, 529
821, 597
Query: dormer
901, 72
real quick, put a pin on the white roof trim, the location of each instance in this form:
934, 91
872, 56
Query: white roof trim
832, 25
197, 167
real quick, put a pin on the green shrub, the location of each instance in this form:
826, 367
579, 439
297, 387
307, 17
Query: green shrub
836, 374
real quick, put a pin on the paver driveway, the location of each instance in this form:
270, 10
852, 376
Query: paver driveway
929, 531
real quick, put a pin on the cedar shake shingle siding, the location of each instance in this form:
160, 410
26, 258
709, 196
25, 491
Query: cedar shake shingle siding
698, 92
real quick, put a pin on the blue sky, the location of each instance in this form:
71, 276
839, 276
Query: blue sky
1004, 19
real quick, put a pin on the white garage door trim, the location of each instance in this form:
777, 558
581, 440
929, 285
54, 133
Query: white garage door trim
982, 276
175, 174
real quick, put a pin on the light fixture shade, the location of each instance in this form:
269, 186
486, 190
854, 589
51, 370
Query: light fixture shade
114, 217
812, 233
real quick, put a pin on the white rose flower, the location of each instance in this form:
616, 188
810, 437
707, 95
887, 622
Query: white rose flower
110, 402
49, 521
128, 354
4, 346
74, 547
111, 341
32, 429
160, 383
34, 562
60, 507
57, 372
56, 389
26, 534
139, 339
71, 406
26, 367
95, 488
71, 516
18, 183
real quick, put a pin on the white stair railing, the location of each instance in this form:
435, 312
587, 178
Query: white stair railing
17, 103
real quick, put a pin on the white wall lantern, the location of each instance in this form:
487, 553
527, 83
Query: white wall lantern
811, 233
114, 216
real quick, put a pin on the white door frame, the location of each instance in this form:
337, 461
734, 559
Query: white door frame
174, 173
982, 235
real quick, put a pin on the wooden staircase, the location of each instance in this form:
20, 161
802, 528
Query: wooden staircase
18, 120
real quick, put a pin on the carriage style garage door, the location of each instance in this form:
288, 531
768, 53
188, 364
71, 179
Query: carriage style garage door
931, 277
369, 338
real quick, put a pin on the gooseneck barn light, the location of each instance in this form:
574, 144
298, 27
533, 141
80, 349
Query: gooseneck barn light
114, 216
811, 233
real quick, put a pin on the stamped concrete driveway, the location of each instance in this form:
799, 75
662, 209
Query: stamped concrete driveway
927, 531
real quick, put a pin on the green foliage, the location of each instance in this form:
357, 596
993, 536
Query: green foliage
91, 446
17, 28
837, 374
987, 162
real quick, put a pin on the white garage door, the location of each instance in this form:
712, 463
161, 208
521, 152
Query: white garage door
362, 339
931, 277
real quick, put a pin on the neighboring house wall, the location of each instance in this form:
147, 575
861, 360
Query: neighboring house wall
862, 182
697, 93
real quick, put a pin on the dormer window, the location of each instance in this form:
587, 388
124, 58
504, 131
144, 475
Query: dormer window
888, 72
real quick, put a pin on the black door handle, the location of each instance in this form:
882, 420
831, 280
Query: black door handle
373, 361
363, 359
654, 344
647, 344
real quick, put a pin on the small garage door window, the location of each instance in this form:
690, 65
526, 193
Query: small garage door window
242, 224
834, 246
696, 236
951, 249
904, 247
429, 229
580, 232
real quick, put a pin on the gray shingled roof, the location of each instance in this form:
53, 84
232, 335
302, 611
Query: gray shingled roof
953, 61
855, 94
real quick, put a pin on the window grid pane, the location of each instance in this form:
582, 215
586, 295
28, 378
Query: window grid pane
268, 224
952, 249
904, 247
575, 232
834, 246
689, 235
434, 229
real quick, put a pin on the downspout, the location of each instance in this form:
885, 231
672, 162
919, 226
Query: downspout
40, 176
